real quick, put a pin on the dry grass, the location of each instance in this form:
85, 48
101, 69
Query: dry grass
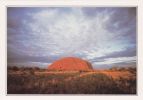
37, 81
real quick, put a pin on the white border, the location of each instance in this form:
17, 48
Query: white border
112, 3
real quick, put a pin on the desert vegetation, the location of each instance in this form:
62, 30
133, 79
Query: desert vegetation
24, 80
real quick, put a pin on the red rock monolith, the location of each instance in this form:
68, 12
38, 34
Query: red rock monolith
70, 64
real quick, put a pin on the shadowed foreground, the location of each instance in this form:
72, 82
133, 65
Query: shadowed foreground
38, 81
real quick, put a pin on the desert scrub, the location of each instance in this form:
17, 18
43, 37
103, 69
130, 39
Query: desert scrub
92, 84
68, 83
127, 86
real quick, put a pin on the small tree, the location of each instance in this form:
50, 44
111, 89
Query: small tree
15, 68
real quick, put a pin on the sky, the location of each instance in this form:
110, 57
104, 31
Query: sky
104, 36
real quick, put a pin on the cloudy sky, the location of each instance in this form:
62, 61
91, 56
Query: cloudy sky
104, 36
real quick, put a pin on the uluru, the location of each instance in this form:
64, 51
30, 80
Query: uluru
70, 64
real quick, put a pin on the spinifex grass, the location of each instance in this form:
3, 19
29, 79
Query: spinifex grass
32, 81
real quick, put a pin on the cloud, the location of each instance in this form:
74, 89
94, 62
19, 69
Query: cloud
92, 33
117, 60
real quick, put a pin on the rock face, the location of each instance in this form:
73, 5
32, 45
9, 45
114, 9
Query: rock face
70, 64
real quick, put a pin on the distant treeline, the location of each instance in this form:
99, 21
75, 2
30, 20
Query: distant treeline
16, 68
123, 68
35, 68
